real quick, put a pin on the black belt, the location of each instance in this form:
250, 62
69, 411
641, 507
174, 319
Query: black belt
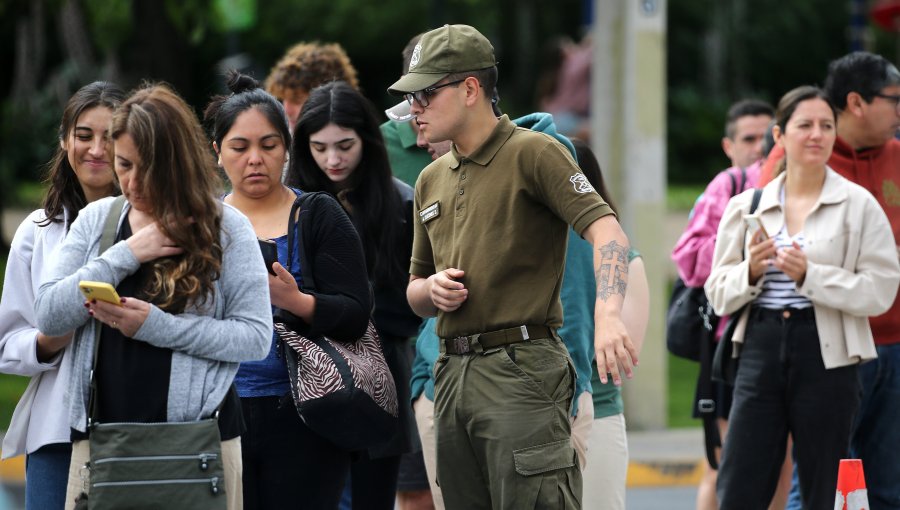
491, 339
808, 313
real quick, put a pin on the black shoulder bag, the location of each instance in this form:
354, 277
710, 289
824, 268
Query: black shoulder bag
150, 465
343, 391
690, 320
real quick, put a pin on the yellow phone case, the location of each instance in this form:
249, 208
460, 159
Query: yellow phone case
99, 290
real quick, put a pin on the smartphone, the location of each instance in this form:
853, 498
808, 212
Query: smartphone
754, 225
270, 254
99, 290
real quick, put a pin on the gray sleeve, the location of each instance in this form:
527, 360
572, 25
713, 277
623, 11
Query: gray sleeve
59, 306
242, 327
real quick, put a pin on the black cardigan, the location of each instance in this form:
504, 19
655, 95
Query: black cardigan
333, 249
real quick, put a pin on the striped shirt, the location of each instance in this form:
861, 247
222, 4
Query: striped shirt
778, 289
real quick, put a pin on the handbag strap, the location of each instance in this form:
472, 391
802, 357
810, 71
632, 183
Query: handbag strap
307, 282
706, 401
107, 239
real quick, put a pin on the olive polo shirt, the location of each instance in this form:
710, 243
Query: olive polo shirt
501, 215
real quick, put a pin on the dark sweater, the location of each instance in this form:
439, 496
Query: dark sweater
333, 249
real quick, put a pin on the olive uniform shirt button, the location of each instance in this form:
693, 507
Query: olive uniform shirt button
462, 191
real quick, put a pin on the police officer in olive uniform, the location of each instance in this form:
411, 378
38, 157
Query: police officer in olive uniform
491, 223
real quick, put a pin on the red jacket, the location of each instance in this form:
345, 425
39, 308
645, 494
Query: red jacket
877, 170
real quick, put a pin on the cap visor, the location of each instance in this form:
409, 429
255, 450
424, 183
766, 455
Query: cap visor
400, 112
411, 82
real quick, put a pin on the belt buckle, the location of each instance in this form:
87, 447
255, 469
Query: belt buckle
462, 344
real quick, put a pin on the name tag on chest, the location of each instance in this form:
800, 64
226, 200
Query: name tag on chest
429, 213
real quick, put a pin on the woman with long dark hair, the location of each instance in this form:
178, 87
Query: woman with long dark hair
195, 299
338, 148
80, 172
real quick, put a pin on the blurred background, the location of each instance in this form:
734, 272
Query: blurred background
717, 51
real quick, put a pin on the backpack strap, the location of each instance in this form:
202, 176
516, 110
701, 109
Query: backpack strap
734, 188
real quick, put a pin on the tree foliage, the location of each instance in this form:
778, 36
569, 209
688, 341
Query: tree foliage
721, 51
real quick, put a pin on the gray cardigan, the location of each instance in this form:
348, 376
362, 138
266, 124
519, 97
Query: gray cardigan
234, 325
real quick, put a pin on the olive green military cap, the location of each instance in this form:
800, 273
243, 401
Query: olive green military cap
443, 51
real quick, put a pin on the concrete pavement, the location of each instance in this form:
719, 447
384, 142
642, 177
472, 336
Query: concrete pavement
665, 458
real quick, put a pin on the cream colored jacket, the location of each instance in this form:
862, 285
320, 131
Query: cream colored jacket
852, 272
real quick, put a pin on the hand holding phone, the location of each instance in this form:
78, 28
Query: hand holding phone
754, 224
270, 254
99, 290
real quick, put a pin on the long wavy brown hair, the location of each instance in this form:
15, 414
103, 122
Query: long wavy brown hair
178, 177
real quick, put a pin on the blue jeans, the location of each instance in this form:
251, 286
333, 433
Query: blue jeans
794, 502
46, 475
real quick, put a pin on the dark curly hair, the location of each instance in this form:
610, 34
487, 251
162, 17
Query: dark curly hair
305, 66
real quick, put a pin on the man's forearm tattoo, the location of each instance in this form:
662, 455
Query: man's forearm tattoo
612, 275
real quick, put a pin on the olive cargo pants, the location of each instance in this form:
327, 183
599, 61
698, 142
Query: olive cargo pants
502, 420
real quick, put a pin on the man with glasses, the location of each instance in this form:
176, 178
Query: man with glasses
865, 88
488, 256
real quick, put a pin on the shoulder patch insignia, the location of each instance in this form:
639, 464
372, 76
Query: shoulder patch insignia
581, 183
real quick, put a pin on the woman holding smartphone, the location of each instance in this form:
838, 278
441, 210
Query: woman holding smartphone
194, 296
829, 263
338, 149
80, 172
283, 459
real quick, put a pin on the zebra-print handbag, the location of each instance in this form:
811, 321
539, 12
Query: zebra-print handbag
343, 391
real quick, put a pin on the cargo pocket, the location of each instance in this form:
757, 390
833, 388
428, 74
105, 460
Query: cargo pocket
547, 476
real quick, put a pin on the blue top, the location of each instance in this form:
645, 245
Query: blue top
269, 377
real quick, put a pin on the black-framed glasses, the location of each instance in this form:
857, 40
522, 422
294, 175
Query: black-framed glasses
421, 96
890, 97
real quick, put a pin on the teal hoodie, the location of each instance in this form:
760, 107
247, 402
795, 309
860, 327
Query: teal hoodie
578, 295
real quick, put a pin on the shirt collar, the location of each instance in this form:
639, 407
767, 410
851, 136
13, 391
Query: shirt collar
406, 134
489, 148
833, 191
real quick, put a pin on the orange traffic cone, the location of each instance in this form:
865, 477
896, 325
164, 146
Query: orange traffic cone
851, 486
